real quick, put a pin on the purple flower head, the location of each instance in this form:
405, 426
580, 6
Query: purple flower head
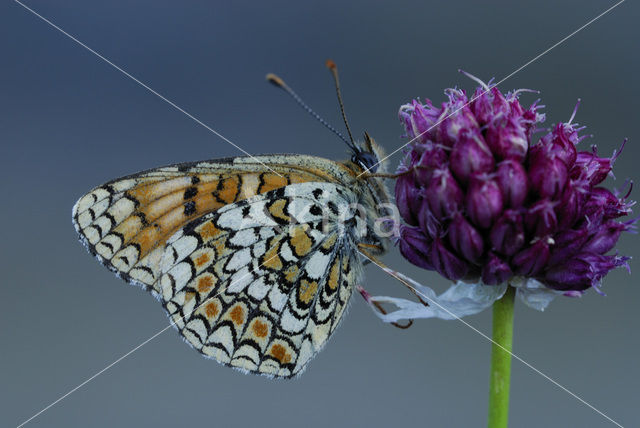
482, 200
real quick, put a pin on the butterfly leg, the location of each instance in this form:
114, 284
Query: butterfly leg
363, 249
377, 306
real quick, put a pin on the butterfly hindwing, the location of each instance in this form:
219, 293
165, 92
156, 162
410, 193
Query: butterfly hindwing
261, 284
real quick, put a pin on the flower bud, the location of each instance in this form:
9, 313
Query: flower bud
444, 194
414, 246
531, 260
547, 174
561, 143
582, 271
530, 118
458, 119
495, 271
566, 244
601, 203
515, 108
507, 233
432, 158
540, 219
569, 208
487, 105
408, 198
429, 224
484, 201
465, 239
605, 238
507, 138
470, 155
445, 262
591, 167
574, 274
513, 181
418, 120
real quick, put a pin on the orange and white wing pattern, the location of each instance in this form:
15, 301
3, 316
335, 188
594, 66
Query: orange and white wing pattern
254, 265
261, 284
126, 222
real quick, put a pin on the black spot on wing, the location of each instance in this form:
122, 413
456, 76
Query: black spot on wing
190, 192
189, 208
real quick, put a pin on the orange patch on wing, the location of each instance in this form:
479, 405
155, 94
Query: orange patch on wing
229, 190
237, 315
272, 181
307, 290
162, 206
205, 283
206, 203
301, 178
208, 231
206, 187
291, 273
276, 210
147, 239
333, 276
330, 241
202, 259
260, 329
271, 258
300, 241
211, 309
280, 353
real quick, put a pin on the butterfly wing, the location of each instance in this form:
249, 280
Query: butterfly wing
126, 222
243, 285
261, 284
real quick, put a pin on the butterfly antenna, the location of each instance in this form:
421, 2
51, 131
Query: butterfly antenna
334, 72
277, 81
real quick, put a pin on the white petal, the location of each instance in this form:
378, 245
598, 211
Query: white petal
461, 299
534, 294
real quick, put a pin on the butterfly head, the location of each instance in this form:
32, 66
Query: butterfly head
368, 155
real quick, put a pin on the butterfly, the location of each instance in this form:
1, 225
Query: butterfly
253, 258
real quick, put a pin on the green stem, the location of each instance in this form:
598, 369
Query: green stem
501, 360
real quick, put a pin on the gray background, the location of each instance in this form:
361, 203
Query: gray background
69, 122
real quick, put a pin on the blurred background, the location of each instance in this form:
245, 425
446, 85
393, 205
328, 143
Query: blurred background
69, 122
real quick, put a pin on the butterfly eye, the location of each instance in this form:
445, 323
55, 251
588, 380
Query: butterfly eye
367, 160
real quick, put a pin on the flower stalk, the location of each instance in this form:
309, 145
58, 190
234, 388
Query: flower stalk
501, 360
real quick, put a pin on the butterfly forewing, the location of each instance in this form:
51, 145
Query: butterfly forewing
126, 222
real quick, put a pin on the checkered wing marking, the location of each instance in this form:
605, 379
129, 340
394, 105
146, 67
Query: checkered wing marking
125, 223
245, 286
